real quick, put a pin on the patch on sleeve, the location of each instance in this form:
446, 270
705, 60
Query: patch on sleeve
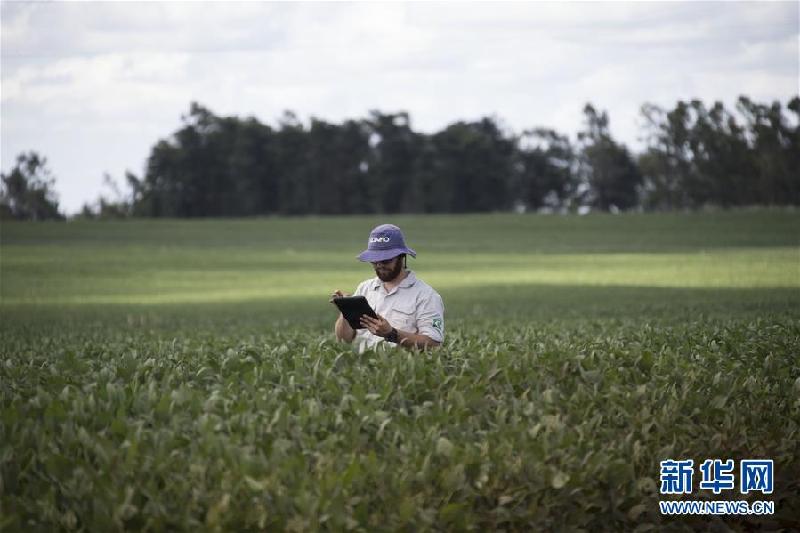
437, 324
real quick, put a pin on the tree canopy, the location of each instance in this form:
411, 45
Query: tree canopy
27, 190
695, 155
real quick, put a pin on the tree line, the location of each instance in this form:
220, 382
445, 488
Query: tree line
694, 156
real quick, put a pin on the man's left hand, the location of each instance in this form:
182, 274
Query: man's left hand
377, 326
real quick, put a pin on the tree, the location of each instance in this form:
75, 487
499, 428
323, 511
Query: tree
118, 205
295, 191
723, 167
667, 161
27, 191
607, 167
545, 175
775, 147
696, 155
250, 169
393, 158
700, 155
336, 165
474, 167
189, 174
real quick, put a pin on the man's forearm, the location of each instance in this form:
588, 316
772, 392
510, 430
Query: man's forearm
410, 340
343, 331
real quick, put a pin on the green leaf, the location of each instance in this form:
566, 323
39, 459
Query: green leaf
444, 447
559, 479
451, 512
636, 511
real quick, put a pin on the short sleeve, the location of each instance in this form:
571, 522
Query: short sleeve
430, 317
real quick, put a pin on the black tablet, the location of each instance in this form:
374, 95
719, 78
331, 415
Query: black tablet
352, 307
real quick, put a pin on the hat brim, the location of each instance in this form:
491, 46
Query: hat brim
373, 256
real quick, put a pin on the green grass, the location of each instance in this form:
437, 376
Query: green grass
183, 375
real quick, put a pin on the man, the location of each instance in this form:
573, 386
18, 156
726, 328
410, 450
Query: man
410, 313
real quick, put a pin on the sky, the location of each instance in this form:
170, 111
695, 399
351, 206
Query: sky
93, 86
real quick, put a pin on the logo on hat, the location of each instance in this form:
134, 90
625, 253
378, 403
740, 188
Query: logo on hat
379, 239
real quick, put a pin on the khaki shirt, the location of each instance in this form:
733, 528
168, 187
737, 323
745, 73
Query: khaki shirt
412, 306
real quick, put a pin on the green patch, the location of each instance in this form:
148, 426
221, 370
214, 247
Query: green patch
182, 375
437, 324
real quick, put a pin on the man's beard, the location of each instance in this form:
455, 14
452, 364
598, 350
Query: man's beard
388, 275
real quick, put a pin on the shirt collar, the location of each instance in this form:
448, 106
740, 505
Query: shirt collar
408, 281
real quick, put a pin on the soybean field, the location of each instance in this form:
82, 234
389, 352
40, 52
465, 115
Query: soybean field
183, 374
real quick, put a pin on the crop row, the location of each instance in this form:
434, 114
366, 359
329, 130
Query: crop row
549, 426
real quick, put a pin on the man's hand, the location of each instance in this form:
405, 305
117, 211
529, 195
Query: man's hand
377, 326
412, 341
341, 328
337, 294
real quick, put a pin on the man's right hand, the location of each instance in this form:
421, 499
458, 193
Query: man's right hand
337, 294
342, 329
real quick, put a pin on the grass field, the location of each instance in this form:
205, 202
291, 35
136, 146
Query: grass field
183, 374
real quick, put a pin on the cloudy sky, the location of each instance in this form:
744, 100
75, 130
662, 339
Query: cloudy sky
92, 86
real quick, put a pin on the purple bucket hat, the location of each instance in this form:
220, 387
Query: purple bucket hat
385, 242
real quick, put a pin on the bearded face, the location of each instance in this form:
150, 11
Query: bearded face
390, 269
